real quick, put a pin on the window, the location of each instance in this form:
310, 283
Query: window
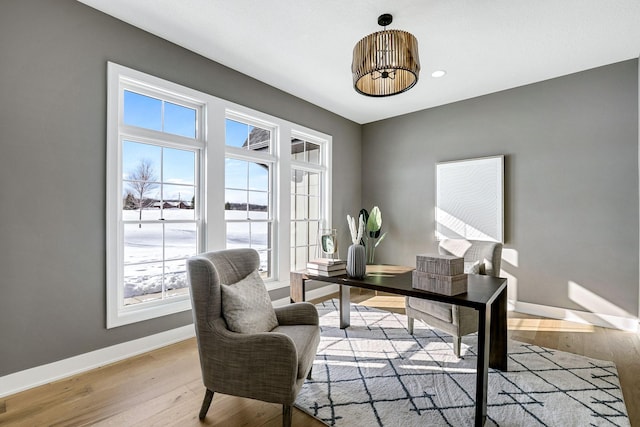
158, 219
307, 199
248, 190
156, 222
188, 172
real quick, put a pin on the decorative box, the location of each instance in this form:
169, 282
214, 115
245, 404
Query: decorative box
446, 265
440, 284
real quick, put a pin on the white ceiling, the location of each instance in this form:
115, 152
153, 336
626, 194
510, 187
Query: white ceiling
304, 47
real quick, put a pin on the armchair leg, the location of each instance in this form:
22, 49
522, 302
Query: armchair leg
309, 374
286, 415
457, 342
410, 324
208, 396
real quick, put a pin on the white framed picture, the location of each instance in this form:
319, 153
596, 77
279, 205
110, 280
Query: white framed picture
470, 199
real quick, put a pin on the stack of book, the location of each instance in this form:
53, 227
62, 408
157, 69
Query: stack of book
327, 267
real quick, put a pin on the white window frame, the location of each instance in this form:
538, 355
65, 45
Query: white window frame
270, 158
322, 168
119, 80
211, 142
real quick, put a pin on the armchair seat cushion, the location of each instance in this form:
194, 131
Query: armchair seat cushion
439, 310
306, 339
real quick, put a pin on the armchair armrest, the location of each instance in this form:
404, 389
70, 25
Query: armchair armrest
299, 313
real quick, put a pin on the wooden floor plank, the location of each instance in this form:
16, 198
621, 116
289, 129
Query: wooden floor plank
164, 387
626, 355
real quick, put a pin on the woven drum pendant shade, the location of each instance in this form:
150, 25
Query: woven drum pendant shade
385, 63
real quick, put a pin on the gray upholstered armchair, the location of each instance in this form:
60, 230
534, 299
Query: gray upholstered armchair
270, 366
480, 257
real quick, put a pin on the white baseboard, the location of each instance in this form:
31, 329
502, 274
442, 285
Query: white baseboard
34, 377
29, 378
629, 324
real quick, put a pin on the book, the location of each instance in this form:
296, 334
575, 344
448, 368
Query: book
327, 261
331, 273
325, 267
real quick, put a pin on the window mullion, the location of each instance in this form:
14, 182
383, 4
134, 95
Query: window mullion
164, 262
149, 136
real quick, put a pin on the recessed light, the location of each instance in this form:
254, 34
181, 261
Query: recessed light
438, 73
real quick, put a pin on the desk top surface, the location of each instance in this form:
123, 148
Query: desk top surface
481, 290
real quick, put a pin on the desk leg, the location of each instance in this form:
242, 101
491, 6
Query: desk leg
498, 352
345, 307
296, 287
482, 371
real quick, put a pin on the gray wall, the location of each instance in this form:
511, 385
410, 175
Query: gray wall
571, 169
53, 164
571, 147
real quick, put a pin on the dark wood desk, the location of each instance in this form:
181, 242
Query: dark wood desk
486, 294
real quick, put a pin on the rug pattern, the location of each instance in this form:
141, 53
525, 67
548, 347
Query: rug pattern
375, 374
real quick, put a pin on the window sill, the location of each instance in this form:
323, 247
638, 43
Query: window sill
275, 285
133, 314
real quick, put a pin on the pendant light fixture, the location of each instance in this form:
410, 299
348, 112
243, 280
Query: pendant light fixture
385, 63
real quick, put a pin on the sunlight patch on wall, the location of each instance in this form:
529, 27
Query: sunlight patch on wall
610, 314
593, 302
510, 259
510, 256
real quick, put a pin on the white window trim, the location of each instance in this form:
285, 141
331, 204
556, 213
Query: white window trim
119, 79
270, 158
284, 131
323, 169
212, 131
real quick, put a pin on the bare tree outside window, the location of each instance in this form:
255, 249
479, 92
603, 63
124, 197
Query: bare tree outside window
142, 180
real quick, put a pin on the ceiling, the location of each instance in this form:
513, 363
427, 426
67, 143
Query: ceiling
304, 47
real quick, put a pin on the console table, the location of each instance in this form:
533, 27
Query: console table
486, 294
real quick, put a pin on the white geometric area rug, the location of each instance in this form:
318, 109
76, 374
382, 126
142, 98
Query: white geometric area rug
375, 374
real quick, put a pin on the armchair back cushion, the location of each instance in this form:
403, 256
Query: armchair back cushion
246, 305
488, 254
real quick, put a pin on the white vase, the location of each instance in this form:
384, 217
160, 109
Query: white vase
356, 261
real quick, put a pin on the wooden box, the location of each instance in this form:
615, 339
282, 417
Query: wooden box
440, 284
445, 265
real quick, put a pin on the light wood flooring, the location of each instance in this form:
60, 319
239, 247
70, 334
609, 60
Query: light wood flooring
163, 387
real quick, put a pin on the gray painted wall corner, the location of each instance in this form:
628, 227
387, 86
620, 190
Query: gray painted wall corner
571, 213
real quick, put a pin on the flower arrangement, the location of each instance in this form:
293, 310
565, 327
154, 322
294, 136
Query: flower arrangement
372, 224
373, 237
356, 233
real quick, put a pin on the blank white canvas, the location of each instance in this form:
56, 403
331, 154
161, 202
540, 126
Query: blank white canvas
470, 199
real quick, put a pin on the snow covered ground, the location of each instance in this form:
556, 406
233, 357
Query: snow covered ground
145, 247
